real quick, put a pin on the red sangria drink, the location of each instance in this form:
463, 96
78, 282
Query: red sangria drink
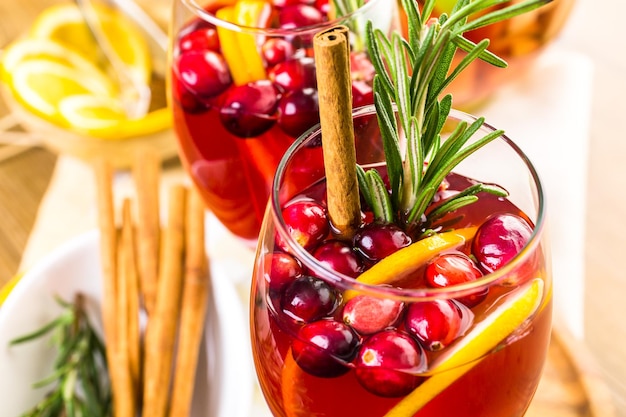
449, 316
243, 87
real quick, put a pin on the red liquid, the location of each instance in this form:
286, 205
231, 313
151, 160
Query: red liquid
501, 384
233, 173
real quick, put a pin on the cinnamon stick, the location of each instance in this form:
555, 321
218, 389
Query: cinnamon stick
332, 57
146, 173
193, 307
128, 305
123, 405
162, 326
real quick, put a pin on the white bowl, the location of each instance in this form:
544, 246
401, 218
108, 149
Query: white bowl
224, 380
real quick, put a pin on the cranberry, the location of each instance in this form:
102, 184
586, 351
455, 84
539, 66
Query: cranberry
200, 39
308, 299
388, 363
376, 241
435, 323
306, 222
280, 269
299, 15
205, 73
362, 94
339, 257
276, 50
453, 269
499, 239
294, 74
323, 6
298, 111
248, 110
361, 68
368, 315
323, 348
187, 99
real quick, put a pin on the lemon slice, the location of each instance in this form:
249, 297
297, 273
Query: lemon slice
518, 307
240, 49
88, 112
64, 24
41, 84
30, 48
407, 260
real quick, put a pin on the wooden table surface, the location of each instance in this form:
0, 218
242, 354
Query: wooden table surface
592, 30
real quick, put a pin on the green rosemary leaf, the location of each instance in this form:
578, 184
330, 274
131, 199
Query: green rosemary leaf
503, 14
490, 58
412, 15
389, 133
449, 206
65, 318
415, 159
372, 39
381, 204
363, 185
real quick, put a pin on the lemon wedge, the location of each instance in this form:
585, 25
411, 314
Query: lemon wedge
41, 84
31, 48
407, 260
239, 48
518, 307
89, 112
64, 24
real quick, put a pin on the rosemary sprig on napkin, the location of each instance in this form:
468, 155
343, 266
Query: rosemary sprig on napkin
79, 381
411, 75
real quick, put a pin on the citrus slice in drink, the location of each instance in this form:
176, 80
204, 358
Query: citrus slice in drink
407, 260
64, 24
240, 48
41, 84
505, 319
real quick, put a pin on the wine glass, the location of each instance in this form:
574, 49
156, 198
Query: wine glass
243, 86
455, 323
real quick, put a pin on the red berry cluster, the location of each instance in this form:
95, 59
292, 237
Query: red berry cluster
287, 97
386, 342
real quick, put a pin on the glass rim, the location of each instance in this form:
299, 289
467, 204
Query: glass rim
200, 12
455, 291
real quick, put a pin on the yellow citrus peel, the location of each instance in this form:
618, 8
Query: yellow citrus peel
240, 49
407, 260
518, 307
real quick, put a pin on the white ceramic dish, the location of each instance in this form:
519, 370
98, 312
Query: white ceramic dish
224, 381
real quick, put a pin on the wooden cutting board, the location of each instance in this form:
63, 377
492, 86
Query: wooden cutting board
572, 385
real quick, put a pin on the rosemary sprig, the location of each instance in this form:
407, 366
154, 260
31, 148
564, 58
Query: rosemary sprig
80, 384
411, 75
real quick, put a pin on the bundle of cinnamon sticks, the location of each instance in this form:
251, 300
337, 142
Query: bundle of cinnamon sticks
154, 272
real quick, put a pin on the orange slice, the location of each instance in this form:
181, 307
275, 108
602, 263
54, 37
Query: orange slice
518, 307
407, 260
240, 49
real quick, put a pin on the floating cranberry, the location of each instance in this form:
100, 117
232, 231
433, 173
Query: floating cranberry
376, 241
248, 110
361, 68
299, 16
276, 51
435, 323
205, 73
308, 299
499, 239
388, 364
200, 39
281, 269
368, 314
298, 111
339, 257
294, 74
187, 99
306, 222
323, 6
453, 269
324, 348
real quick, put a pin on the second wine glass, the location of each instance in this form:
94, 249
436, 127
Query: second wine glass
243, 86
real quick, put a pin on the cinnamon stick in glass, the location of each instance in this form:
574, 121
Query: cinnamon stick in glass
332, 60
